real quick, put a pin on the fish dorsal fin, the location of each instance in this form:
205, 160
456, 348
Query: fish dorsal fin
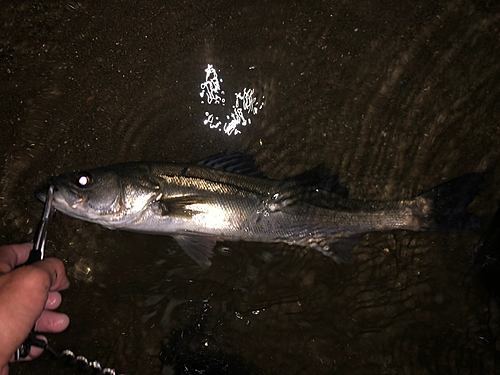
319, 178
236, 163
198, 246
319, 187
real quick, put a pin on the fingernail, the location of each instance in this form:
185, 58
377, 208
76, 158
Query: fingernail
63, 322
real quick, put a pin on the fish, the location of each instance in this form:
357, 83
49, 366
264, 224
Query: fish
227, 198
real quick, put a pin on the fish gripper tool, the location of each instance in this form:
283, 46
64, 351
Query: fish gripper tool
36, 254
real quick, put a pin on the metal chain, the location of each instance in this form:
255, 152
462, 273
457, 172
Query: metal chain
83, 361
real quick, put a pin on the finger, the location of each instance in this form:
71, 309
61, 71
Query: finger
14, 255
56, 272
34, 352
51, 321
26, 290
53, 301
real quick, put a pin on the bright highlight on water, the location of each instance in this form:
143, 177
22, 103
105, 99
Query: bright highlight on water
246, 105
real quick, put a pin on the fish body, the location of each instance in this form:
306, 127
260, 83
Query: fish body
225, 197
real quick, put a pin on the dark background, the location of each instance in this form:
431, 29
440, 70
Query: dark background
396, 96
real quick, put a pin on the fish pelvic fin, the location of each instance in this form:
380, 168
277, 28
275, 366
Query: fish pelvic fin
445, 206
198, 246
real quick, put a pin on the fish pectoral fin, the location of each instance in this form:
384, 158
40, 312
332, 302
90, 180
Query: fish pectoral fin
341, 250
179, 206
198, 247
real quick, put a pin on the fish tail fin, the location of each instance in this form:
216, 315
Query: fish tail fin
445, 207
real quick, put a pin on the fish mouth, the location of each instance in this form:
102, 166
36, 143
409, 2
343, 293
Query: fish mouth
41, 194
62, 196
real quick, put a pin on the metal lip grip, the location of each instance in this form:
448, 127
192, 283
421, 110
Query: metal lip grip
38, 253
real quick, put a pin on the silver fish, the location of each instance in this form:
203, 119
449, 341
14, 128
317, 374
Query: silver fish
225, 197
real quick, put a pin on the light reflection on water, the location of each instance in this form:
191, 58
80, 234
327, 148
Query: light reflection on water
246, 105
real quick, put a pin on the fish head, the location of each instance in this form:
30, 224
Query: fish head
104, 196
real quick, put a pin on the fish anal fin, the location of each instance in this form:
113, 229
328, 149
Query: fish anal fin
198, 247
341, 250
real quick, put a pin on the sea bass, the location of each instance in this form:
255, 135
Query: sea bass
225, 197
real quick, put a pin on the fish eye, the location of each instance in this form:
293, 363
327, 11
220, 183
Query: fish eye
84, 180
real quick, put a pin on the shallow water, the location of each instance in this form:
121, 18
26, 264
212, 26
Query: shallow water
395, 96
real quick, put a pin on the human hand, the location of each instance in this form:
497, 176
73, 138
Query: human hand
27, 296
